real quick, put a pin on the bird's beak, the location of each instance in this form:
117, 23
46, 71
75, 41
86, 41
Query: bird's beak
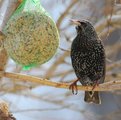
76, 22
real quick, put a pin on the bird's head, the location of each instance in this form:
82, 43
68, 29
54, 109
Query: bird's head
83, 27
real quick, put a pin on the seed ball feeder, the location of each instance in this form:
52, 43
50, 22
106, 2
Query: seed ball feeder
31, 35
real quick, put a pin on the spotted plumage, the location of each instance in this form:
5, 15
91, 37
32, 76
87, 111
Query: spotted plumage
88, 58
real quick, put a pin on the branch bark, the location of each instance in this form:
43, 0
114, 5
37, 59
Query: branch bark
108, 86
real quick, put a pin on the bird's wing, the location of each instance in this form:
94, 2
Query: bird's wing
98, 69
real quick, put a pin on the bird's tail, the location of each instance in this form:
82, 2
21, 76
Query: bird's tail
92, 97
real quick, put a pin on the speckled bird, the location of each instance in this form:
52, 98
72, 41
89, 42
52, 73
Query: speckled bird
88, 59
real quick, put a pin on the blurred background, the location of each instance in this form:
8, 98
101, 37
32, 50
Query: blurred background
30, 101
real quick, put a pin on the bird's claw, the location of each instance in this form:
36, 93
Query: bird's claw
74, 88
94, 86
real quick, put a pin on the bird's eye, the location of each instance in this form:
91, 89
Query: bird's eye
78, 28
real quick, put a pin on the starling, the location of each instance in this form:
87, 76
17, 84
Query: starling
88, 59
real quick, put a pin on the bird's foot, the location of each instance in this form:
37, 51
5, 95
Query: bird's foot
73, 87
95, 85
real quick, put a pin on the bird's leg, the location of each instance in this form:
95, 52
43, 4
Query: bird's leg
73, 87
95, 84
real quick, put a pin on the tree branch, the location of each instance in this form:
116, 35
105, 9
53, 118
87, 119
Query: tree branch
108, 86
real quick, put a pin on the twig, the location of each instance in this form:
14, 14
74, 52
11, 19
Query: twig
52, 69
102, 25
42, 110
109, 86
60, 19
109, 20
